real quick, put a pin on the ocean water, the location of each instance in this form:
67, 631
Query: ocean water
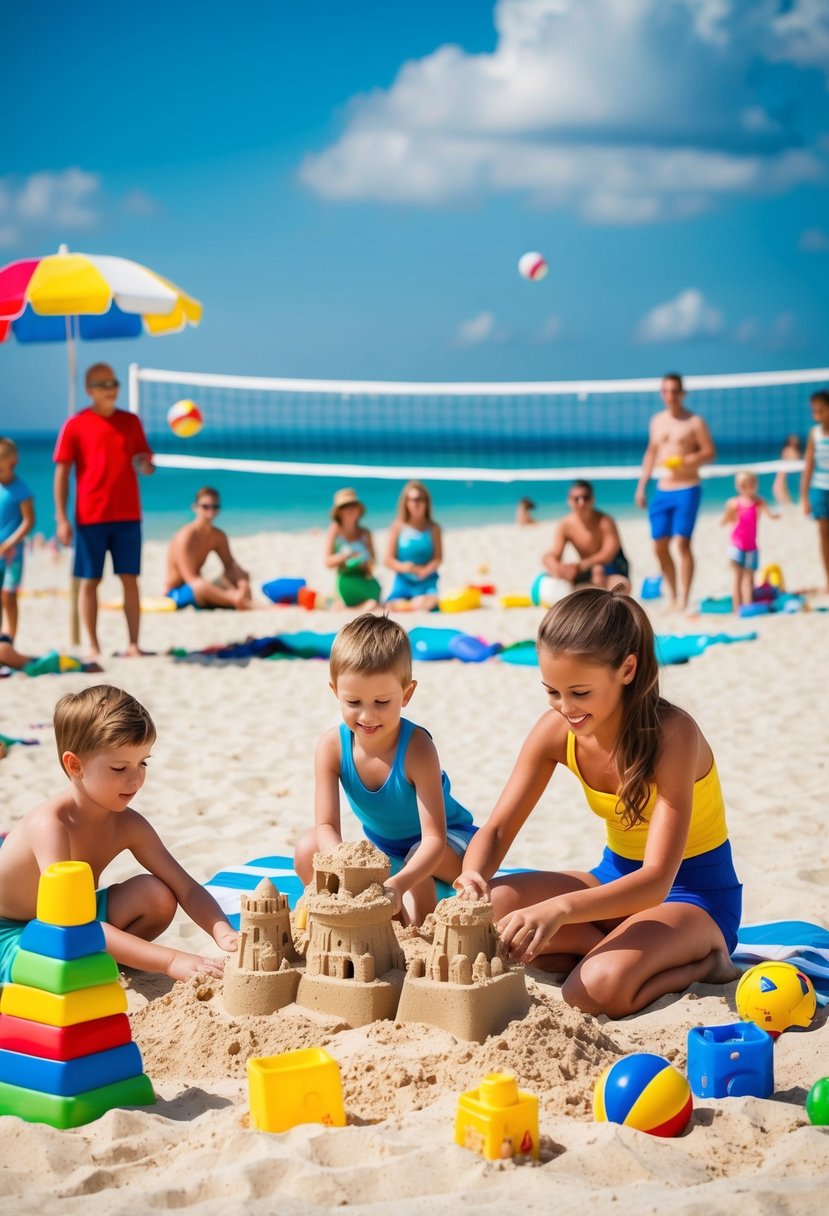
255, 502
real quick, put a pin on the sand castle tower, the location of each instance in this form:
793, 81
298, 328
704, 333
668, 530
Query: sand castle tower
354, 966
260, 979
465, 985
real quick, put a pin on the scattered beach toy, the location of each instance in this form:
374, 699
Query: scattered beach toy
185, 419
759, 608
734, 1061
432, 644
484, 588
283, 590
764, 593
773, 575
775, 996
461, 599
498, 1120
53, 664
296, 1087
521, 654
470, 649
306, 598
516, 601
651, 587
547, 590
719, 604
532, 266
66, 1053
9, 740
644, 1091
817, 1103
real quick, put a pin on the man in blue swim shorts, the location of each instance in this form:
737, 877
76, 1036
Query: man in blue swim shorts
679, 443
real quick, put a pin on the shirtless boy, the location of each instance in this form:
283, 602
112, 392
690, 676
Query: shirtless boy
595, 538
679, 443
189, 550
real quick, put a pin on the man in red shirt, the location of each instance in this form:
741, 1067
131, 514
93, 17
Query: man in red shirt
107, 446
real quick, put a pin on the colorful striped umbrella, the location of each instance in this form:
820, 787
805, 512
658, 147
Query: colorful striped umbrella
66, 296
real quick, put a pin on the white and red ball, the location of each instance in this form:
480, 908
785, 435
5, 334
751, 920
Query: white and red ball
532, 266
185, 419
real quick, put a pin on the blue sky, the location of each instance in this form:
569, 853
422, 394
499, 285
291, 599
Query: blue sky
348, 186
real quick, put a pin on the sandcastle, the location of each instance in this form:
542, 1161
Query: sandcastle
354, 967
465, 985
260, 979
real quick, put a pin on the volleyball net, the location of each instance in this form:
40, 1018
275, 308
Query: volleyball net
508, 433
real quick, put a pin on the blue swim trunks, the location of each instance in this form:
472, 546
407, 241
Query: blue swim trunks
819, 502
405, 588
183, 596
707, 880
749, 559
94, 541
674, 512
457, 838
11, 932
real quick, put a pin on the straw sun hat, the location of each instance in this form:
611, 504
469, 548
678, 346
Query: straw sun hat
345, 498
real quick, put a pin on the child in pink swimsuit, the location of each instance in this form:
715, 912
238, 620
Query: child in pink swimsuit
743, 511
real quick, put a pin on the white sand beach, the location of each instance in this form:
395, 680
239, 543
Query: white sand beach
232, 777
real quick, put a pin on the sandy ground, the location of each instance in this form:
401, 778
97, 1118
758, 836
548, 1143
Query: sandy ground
231, 777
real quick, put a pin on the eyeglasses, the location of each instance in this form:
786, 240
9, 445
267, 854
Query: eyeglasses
104, 383
209, 506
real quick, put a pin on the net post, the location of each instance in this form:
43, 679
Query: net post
133, 389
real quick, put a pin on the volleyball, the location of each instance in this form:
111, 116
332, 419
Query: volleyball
184, 419
532, 266
775, 996
643, 1091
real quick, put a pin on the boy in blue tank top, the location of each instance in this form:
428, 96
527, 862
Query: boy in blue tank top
388, 768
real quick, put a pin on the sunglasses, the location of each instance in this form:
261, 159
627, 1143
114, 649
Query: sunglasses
415, 498
209, 506
579, 498
104, 383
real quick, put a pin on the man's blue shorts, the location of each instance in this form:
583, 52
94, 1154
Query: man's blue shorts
707, 880
674, 512
819, 502
93, 542
183, 596
11, 932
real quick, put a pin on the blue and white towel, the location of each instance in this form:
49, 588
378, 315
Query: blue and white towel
792, 941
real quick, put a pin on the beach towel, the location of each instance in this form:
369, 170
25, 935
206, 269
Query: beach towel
794, 941
670, 648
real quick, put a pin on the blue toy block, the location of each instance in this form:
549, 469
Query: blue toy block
735, 1061
63, 942
651, 587
67, 1078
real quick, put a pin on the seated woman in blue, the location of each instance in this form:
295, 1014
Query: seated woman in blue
414, 551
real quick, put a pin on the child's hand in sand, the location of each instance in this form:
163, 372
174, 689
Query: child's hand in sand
226, 938
526, 931
185, 966
471, 885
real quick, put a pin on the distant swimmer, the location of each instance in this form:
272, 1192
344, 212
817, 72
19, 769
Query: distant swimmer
679, 443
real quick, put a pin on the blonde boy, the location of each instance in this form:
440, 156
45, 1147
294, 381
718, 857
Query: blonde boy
104, 738
388, 768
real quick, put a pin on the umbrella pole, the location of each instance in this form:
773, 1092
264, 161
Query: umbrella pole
72, 401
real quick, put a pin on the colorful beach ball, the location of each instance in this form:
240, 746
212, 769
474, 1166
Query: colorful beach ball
532, 266
817, 1103
643, 1091
776, 996
184, 419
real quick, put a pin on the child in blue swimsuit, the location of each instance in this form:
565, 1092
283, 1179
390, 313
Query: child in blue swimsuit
388, 769
414, 551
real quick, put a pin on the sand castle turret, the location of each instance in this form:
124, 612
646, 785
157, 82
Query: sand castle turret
465, 985
354, 966
260, 979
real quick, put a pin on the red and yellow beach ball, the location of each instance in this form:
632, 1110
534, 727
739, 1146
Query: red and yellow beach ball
185, 419
643, 1091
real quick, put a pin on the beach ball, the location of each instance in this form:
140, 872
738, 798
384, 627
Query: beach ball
643, 1091
817, 1103
546, 590
532, 266
184, 419
775, 996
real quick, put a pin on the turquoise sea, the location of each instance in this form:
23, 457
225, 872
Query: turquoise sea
255, 502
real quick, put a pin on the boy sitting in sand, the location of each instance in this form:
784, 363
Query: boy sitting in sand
189, 550
104, 737
388, 768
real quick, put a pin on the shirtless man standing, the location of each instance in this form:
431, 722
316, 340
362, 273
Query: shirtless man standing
595, 538
189, 550
679, 443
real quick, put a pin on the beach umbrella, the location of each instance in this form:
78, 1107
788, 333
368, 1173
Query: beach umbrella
67, 296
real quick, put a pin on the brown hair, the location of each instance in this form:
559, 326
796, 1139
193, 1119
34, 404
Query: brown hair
677, 379
822, 395
402, 509
94, 369
372, 645
100, 718
207, 490
605, 627
7, 446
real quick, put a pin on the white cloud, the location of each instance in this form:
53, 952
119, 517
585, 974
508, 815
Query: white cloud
687, 318
479, 330
814, 240
139, 202
61, 203
654, 119
552, 330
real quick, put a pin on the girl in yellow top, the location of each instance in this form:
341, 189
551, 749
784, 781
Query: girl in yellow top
662, 908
